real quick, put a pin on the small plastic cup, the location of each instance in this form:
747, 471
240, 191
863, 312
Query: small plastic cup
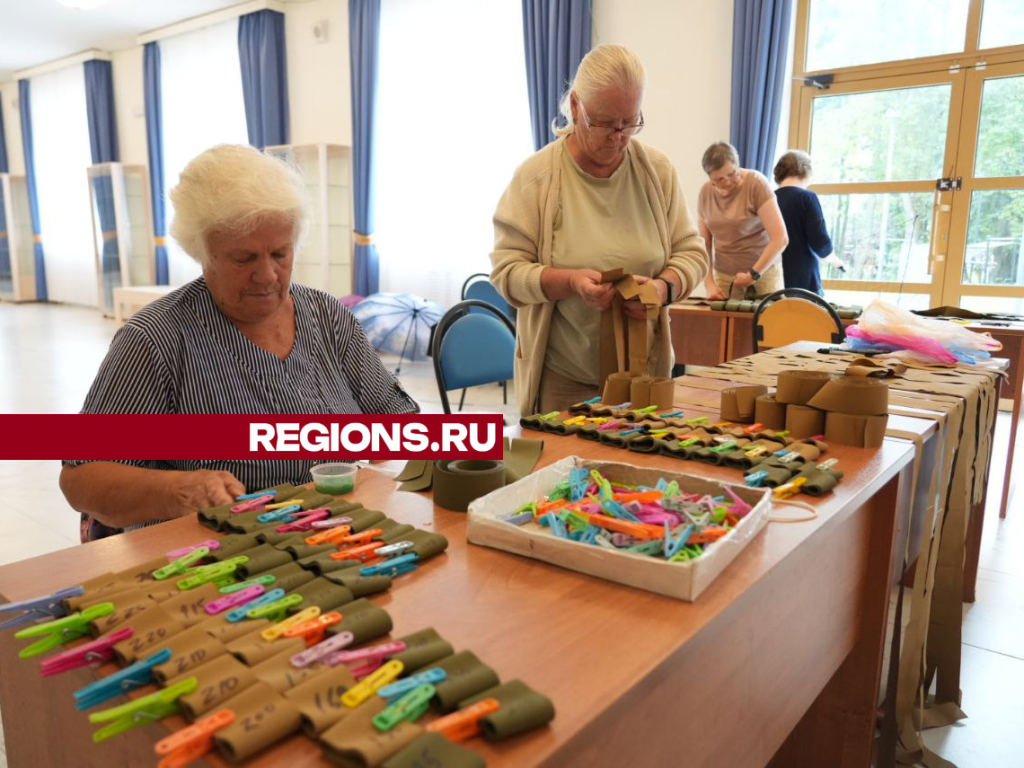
334, 479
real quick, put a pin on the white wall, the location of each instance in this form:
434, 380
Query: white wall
130, 105
12, 127
319, 86
686, 48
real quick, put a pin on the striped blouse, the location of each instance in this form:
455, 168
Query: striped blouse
181, 354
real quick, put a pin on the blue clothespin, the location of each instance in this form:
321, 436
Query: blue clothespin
589, 534
615, 509
128, 679
56, 633
240, 612
396, 566
674, 544
256, 495
632, 431
402, 687
671, 415
46, 607
620, 406
592, 400
279, 514
579, 479
557, 526
143, 711
520, 518
756, 479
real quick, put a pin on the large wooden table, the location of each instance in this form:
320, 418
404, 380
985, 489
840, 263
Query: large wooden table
777, 662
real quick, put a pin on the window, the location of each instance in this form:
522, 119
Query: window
201, 81
60, 135
1002, 23
453, 123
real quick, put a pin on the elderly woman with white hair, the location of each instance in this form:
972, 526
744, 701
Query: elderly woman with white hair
592, 200
240, 339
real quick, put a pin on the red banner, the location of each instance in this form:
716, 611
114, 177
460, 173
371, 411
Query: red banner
368, 436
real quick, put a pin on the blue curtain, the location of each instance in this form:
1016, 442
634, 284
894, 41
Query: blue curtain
364, 45
557, 37
261, 50
24, 102
99, 107
4, 168
155, 152
760, 39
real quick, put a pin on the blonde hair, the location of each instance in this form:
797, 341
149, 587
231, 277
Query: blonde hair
794, 163
607, 66
232, 189
717, 155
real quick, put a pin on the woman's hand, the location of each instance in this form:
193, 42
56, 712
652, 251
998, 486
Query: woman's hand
713, 292
586, 283
743, 279
635, 308
188, 492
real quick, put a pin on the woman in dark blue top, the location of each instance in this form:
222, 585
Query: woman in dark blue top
805, 224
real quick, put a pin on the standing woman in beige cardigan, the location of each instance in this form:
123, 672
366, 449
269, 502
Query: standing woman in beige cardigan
592, 200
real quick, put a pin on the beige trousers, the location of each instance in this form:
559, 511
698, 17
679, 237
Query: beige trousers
770, 282
558, 392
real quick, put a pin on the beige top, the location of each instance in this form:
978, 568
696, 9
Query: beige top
738, 235
601, 224
524, 233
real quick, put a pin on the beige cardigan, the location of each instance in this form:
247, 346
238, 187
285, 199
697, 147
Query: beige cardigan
523, 235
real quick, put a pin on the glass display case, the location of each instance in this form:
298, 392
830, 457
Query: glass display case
17, 257
122, 229
324, 260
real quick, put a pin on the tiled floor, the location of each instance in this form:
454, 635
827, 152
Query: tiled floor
55, 351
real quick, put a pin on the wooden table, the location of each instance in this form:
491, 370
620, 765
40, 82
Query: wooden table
777, 662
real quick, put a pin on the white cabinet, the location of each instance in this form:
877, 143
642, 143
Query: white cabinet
17, 252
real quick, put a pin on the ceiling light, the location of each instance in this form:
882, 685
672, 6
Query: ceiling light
82, 5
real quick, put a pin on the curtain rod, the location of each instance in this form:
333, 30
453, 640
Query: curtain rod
208, 19
66, 61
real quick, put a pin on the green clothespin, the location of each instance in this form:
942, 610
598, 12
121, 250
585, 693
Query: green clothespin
266, 580
602, 483
698, 420
178, 566
549, 416
648, 409
56, 633
720, 513
276, 610
672, 489
731, 445
142, 711
214, 573
652, 547
575, 520
783, 433
688, 442
410, 708
563, 490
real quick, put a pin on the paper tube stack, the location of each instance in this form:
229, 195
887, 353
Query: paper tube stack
856, 408
639, 390
738, 403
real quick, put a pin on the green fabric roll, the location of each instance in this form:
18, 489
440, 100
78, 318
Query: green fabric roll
819, 481
233, 545
613, 438
777, 473
279, 540
262, 558
359, 585
288, 577
520, 456
645, 444
425, 543
299, 551
342, 507
718, 306
423, 649
522, 709
733, 305
534, 422
322, 564
312, 499
707, 456
364, 620
421, 482
323, 593
590, 433
392, 529
560, 427
738, 459
214, 517
365, 518
467, 676
433, 749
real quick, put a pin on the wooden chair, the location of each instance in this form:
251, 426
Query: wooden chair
794, 314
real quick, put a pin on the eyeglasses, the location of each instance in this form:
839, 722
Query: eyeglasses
727, 178
605, 129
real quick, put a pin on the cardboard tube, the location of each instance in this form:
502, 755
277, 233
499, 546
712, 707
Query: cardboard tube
219, 680
150, 628
777, 473
319, 699
738, 403
804, 421
522, 709
364, 620
252, 649
279, 674
355, 743
467, 676
809, 451
219, 628
457, 483
190, 606
426, 544
323, 565
359, 585
854, 395
263, 558
860, 431
300, 551
798, 387
189, 649
233, 545
639, 391
289, 576
323, 593
617, 389
262, 717
423, 649
770, 412
434, 749
123, 613
663, 392
819, 481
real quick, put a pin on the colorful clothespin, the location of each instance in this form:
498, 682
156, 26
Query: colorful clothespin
610, 424
256, 494
217, 573
275, 631
729, 446
330, 535
279, 513
364, 689
177, 567
755, 479
363, 553
128, 679
45, 607
94, 652
331, 522
688, 442
285, 504
362, 537
409, 708
648, 409
210, 544
792, 488
675, 543
274, 611
250, 504
239, 613
379, 651
757, 450
56, 633
394, 690
464, 724
313, 631
394, 548
362, 669
142, 711
556, 524
396, 566
234, 599
788, 457
264, 581
323, 649
518, 518
549, 416
615, 509
189, 744
591, 401
671, 415
304, 522
697, 420
827, 464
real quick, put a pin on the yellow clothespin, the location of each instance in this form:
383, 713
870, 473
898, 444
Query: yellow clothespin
792, 488
275, 631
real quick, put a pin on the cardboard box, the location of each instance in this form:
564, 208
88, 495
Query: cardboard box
682, 580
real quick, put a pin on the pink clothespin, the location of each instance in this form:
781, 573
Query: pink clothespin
211, 545
613, 424
320, 651
305, 521
248, 506
374, 651
95, 652
241, 597
362, 669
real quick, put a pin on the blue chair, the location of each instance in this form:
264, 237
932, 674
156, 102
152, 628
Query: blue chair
473, 344
478, 288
